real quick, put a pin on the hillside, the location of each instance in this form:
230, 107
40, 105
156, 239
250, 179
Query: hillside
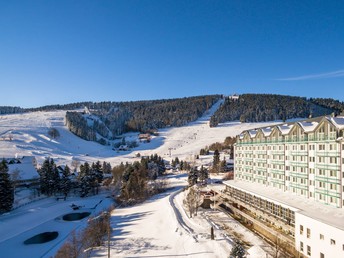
104, 121
27, 135
269, 107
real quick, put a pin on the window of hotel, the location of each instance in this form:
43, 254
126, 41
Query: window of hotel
321, 184
333, 147
333, 173
321, 236
321, 147
301, 246
333, 242
308, 233
333, 160
311, 159
301, 230
333, 186
308, 250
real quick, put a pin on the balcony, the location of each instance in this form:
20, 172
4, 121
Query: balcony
327, 166
298, 164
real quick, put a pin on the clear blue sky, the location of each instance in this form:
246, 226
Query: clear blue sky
57, 52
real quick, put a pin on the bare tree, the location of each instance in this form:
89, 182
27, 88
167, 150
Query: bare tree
53, 133
75, 164
192, 201
279, 246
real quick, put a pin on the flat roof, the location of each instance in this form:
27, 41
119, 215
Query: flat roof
322, 212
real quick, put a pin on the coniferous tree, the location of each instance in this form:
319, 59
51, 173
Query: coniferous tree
49, 177
237, 251
216, 158
203, 174
97, 175
193, 176
6, 189
65, 182
85, 179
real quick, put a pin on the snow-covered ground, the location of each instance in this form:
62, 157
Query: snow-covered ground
158, 227
43, 216
29, 133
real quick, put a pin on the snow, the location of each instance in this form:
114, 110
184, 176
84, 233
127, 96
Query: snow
30, 138
338, 121
266, 131
305, 206
285, 128
308, 126
42, 216
153, 228
25, 168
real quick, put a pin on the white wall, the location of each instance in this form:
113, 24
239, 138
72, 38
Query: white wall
318, 245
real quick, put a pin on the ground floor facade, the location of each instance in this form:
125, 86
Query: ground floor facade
287, 226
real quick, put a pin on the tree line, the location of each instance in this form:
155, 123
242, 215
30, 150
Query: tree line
110, 119
270, 107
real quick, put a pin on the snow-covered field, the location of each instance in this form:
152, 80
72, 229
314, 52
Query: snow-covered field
152, 229
29, 133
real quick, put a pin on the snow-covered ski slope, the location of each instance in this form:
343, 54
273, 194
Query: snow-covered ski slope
29, 133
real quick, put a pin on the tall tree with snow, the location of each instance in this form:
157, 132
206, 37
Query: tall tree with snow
6, 189
49, 177
65, 182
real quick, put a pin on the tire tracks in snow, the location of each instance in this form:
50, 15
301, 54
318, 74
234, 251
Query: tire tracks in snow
179, 216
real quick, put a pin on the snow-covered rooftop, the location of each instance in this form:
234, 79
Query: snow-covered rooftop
337, 121
285, 128
266, 131
308, 126
252, 133
310, 208
25, 168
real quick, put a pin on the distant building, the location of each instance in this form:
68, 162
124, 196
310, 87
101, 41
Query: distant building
234, 97
123, 148
23, 170
144, 137
289, 183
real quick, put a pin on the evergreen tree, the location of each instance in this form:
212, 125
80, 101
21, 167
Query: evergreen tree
6, 189
49, 177
193, 176
216, 158
203, 174
96, 175
106, 168
237, 251
65, 182
85, 179
223, 165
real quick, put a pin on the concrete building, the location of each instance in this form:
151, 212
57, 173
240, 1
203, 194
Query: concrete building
289, 185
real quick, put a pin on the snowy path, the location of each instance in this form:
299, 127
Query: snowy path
151, 229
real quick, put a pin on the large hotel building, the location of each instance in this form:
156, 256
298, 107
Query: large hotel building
289, 185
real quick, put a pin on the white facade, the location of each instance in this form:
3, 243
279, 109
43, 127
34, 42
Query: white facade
314, 238
302, 159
